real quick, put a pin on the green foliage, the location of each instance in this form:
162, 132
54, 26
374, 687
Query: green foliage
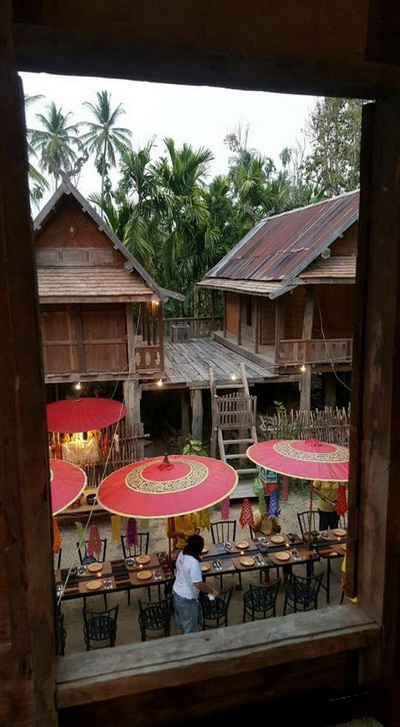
194, 446
334, 131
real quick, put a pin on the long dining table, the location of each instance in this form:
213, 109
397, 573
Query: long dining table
113, 576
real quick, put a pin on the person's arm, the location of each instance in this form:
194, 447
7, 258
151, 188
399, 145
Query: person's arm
317, 489
201, 586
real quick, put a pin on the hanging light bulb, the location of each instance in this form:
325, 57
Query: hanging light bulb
78, 386
159, 382
302, 368
233, 377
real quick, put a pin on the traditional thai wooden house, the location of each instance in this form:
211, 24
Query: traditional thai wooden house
330, 664
289, 290
101, 313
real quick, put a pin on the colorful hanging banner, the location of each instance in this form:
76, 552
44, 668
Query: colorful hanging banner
116, 528
246, 515
341, 502
94, 541
225, 508
56, 536
131, 533
203, 519
80, 533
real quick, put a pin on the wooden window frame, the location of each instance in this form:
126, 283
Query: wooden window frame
131, 672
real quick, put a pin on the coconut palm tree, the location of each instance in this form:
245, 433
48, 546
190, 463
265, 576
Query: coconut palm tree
57, 140
103, 136
37, 182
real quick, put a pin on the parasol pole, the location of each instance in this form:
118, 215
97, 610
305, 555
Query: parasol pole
310, 517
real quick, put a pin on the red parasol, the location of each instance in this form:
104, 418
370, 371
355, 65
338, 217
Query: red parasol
165, 487
81, 415
305, 459
67, 482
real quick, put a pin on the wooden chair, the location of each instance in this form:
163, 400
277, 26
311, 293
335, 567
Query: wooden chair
154, 618
142, 548
260, 601
59, 558
61, 634
223, 531
85, 558
304, 522
100, 628
215, 612
301, 594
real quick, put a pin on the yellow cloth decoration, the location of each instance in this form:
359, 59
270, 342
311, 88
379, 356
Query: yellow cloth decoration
204, 519
56, 536
116, 528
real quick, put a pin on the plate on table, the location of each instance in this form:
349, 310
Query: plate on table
205, 549
247, 561
143, 559
242, 544
94, 585
283, 555
143, 575
205, 566
277, 539
94, 567
339, 532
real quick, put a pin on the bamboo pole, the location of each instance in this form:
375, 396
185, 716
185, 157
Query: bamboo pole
310, 517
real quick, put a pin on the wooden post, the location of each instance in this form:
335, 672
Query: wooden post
225, 319
239, 333
279, 325
185, 418
197, 414
305, 381
257, 324
212, 310
330, 390
374, 493
27, 614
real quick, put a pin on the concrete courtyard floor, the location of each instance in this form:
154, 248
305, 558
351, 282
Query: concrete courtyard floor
128, 629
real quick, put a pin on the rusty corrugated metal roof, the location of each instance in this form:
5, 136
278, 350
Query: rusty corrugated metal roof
281, 247
256, 287
337, 266
84, 285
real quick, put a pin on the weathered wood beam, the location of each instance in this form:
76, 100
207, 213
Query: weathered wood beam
238, 653
197, 414
374, 493
27, 637
312, 48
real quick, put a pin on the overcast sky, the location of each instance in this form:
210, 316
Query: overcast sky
200, 116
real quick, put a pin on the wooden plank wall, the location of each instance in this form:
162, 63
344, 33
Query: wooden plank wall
295, 302
232, 312
27, 643
268, 321
333, 311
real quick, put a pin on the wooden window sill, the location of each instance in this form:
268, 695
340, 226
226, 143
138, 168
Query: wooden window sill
142, 667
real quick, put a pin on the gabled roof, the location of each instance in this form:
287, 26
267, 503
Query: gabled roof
280, 248
131, 264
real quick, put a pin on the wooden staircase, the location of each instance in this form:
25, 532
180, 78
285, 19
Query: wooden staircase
233, 422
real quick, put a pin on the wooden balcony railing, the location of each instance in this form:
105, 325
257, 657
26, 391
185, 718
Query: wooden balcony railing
298, 351
149, 360
199, 327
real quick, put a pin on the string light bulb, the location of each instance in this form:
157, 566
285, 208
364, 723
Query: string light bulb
159, 382
233, 377
302, 368
78, 386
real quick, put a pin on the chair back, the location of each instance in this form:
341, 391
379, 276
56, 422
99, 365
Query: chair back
59, 554
100, 628
223, 531
85, 558
302, 592
154, 616
142, 548
260, 601
304, 521
215, 611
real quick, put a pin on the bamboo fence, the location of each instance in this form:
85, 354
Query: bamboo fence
326, 425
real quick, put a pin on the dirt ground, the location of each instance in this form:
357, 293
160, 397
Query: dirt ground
128, 630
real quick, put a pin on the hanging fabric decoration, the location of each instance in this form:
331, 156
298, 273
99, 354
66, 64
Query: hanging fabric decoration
56, 536
225, 508
274, 510
285, 484
131, 533
80, 533
116, 528
203, 519
94, 541
246, 515
341, 503
258, 489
